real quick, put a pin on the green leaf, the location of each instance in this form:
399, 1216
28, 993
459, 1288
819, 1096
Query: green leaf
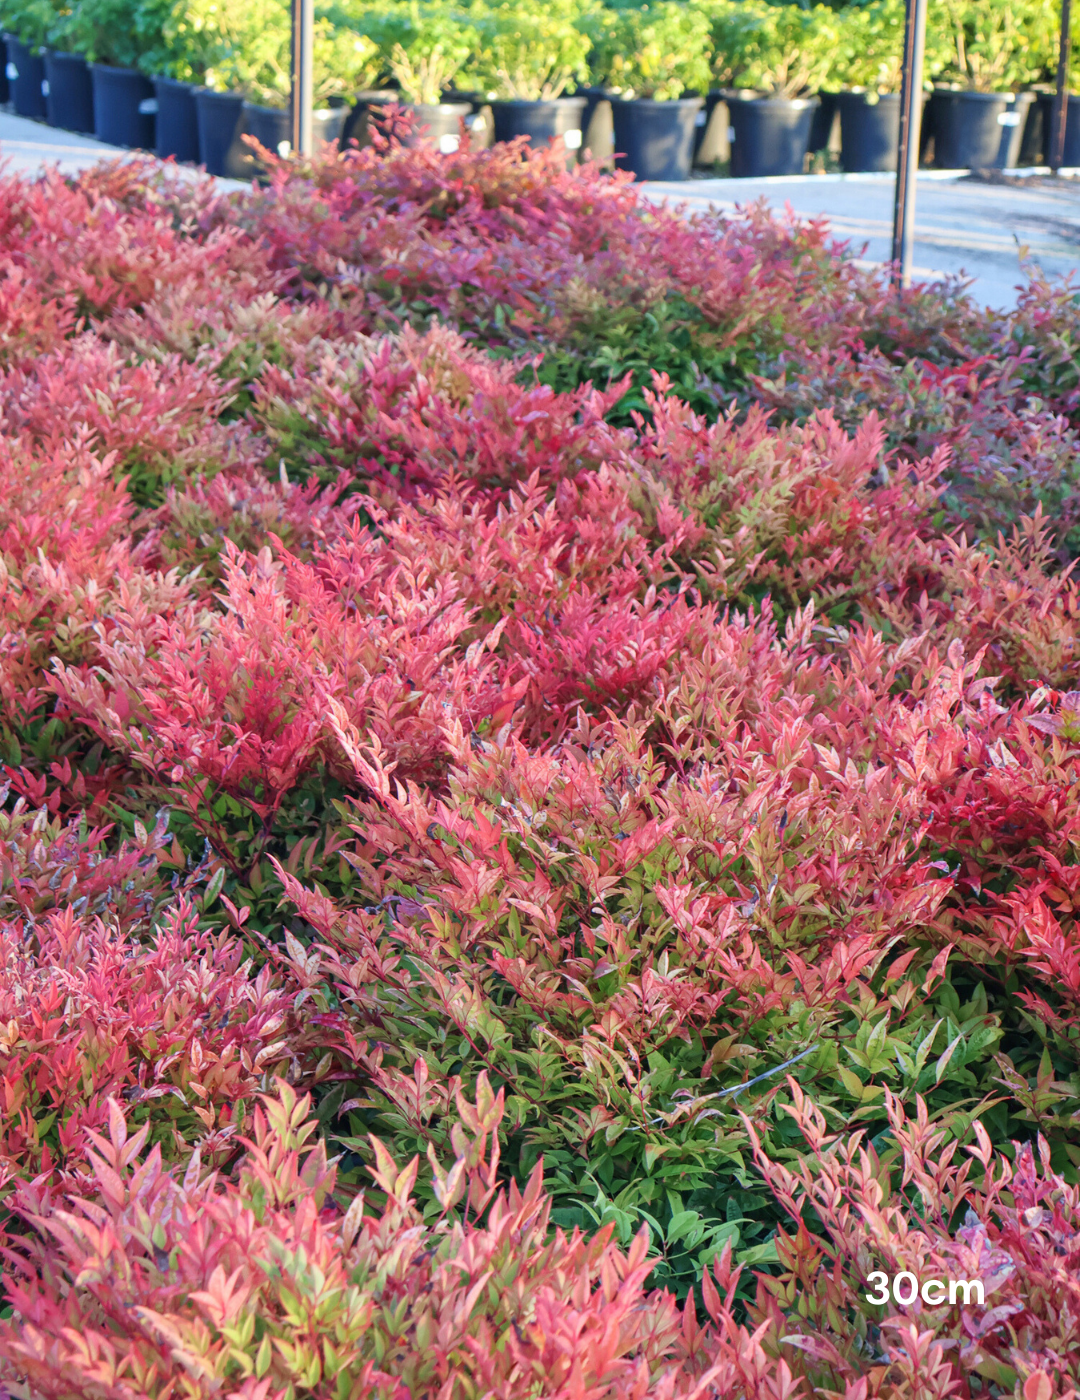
759, 1254
682, 1224
213, 889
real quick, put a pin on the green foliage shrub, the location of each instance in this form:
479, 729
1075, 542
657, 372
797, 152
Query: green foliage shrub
530, 54
990, 46
779, 50
423, 46
245, 47
29, 20
116, 32
658, 50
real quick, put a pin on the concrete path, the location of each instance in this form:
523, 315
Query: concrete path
962, 225
26, 146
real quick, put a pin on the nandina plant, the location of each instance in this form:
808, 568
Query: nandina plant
563, 711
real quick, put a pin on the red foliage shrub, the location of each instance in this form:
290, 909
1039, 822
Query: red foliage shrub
497, 657
92, 1009
153, 1272
157, 420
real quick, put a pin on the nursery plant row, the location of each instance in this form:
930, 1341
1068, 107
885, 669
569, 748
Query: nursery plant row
746, 86
539, 823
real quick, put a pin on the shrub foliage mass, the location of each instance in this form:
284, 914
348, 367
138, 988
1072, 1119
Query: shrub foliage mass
541, 743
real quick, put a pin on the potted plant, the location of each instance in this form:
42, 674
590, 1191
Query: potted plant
776, 57
526, 60
1044, 152
869, 65
424, 47
344, 62
26, 30
180, 47
655, 62
252, 62
979, 111
73, 39
360, 18
110, 35
212, 31
68, 87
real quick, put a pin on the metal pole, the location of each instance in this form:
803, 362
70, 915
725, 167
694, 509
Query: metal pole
303, 34
907, 152
1061, 97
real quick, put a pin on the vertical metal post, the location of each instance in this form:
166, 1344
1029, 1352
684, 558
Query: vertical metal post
303, 34
907, 153
1061, 97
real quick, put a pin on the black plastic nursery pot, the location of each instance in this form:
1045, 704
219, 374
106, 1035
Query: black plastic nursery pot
869, 130
5, 86
437, 125
823, 121
176, 132
358, 126
655, 139
770, 135
272, 127
124, 107
978, 130
1035, 142
220, 117
69, 92
541, 121
26, 78
1071, 154
474, 98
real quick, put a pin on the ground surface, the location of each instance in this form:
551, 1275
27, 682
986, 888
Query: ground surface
962, 225
26, 146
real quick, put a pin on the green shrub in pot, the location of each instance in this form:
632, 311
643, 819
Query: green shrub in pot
992, 46
654, 60
187, 36
658, 51
777, 57
780, 51
250, 50
528, 55
113, 32
997, 51
29, 20
422, 47
865, 79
